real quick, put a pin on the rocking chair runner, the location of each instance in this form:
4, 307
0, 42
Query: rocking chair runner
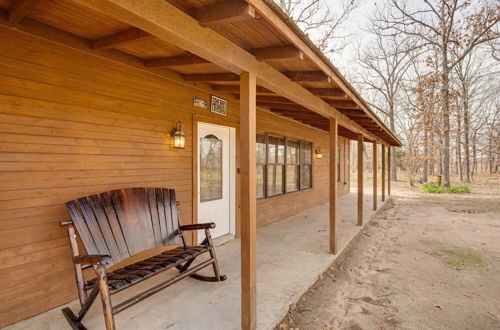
118, 224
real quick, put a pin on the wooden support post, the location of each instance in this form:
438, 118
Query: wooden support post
375, 169
248, 200
333, 184
389, 171
360, 179
383, 173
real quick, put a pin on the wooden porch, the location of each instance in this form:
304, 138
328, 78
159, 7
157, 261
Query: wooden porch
291, 255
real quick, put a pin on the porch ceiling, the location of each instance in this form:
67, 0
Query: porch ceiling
256, 26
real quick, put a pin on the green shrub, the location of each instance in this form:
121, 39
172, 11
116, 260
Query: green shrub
435, 189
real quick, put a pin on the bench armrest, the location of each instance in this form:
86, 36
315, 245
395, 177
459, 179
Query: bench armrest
198, 226
91, 259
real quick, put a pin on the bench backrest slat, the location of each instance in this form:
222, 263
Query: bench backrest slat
124, 222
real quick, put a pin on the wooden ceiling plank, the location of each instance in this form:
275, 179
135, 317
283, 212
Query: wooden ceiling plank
236, 89
172, 25
20, 8
353, 113
281, 106
121, 38
333, 92
343, 104
273, 99
212, 77
165, 62
225, 12
304, 76
279, 53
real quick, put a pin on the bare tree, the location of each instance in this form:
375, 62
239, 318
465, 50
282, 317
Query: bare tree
448, 25
384, 64
320, 21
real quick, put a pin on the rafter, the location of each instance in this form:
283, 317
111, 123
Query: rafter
273, 99
333, 92
225, 12
120, 39
279, 53
281, 106
165, 62
236, 89
343, 104
317, 76
20, 8
212, 77
353, 113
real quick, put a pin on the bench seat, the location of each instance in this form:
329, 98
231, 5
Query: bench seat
132, 274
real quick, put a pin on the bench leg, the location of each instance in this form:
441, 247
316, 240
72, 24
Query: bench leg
75, 321
214, 257
107, 308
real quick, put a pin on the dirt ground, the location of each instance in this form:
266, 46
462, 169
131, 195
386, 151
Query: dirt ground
424, 262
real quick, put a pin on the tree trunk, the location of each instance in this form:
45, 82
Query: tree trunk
467, 171
426, 155
446, 119
459, 151
392, 123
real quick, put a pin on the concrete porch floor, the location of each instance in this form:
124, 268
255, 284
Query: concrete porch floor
291, 255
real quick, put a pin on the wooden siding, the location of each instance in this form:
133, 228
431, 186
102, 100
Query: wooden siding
72, 124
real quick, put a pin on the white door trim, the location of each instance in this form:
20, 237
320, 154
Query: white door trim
232, 176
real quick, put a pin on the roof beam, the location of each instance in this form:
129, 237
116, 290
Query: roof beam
353, 113
212, 77
225, 12
281, 106
165, 62
273, 99
20, 8
236, 89
120, 39
170, 24
343, 104
316, 76
333, 92
280, 53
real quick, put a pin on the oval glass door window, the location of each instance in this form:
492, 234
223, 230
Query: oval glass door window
210, 168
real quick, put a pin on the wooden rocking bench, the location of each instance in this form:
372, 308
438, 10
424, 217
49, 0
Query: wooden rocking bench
118, 224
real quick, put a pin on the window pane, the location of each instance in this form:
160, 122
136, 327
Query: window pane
210, 168
274, 180
338, 166
292, 152
305, 177
261, 149
292, 178
260, 181
306, 152
276, 149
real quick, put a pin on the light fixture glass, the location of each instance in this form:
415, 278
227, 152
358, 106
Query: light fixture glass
179, 136
318, 153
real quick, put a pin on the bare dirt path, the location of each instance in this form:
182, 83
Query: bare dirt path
424, 262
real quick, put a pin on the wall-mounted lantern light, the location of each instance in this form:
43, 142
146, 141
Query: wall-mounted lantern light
179, 136
318, 153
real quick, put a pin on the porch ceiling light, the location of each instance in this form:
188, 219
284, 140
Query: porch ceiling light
318, 153
179, 136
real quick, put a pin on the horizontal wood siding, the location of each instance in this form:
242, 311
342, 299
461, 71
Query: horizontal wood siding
72, 124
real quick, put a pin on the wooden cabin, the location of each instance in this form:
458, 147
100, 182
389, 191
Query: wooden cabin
92, 93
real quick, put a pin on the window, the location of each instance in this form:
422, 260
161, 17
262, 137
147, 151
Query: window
292, 165
338, 165
284, 165
305, 165
210, 168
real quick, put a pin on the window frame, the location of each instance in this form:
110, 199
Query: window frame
285, 164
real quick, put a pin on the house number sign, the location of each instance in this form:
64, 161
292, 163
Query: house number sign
218, 106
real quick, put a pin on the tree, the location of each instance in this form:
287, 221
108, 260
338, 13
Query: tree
384, 64
455, 28
321, 22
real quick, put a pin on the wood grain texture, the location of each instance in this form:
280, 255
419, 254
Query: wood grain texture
73, 124
334, 159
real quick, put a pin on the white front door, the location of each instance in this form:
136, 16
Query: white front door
216, 178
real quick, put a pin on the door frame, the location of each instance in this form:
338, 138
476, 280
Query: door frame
197, 120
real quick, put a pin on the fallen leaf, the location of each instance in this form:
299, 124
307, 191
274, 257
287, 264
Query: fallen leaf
438, 306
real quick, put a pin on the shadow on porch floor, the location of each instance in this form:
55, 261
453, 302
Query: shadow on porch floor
291, 255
